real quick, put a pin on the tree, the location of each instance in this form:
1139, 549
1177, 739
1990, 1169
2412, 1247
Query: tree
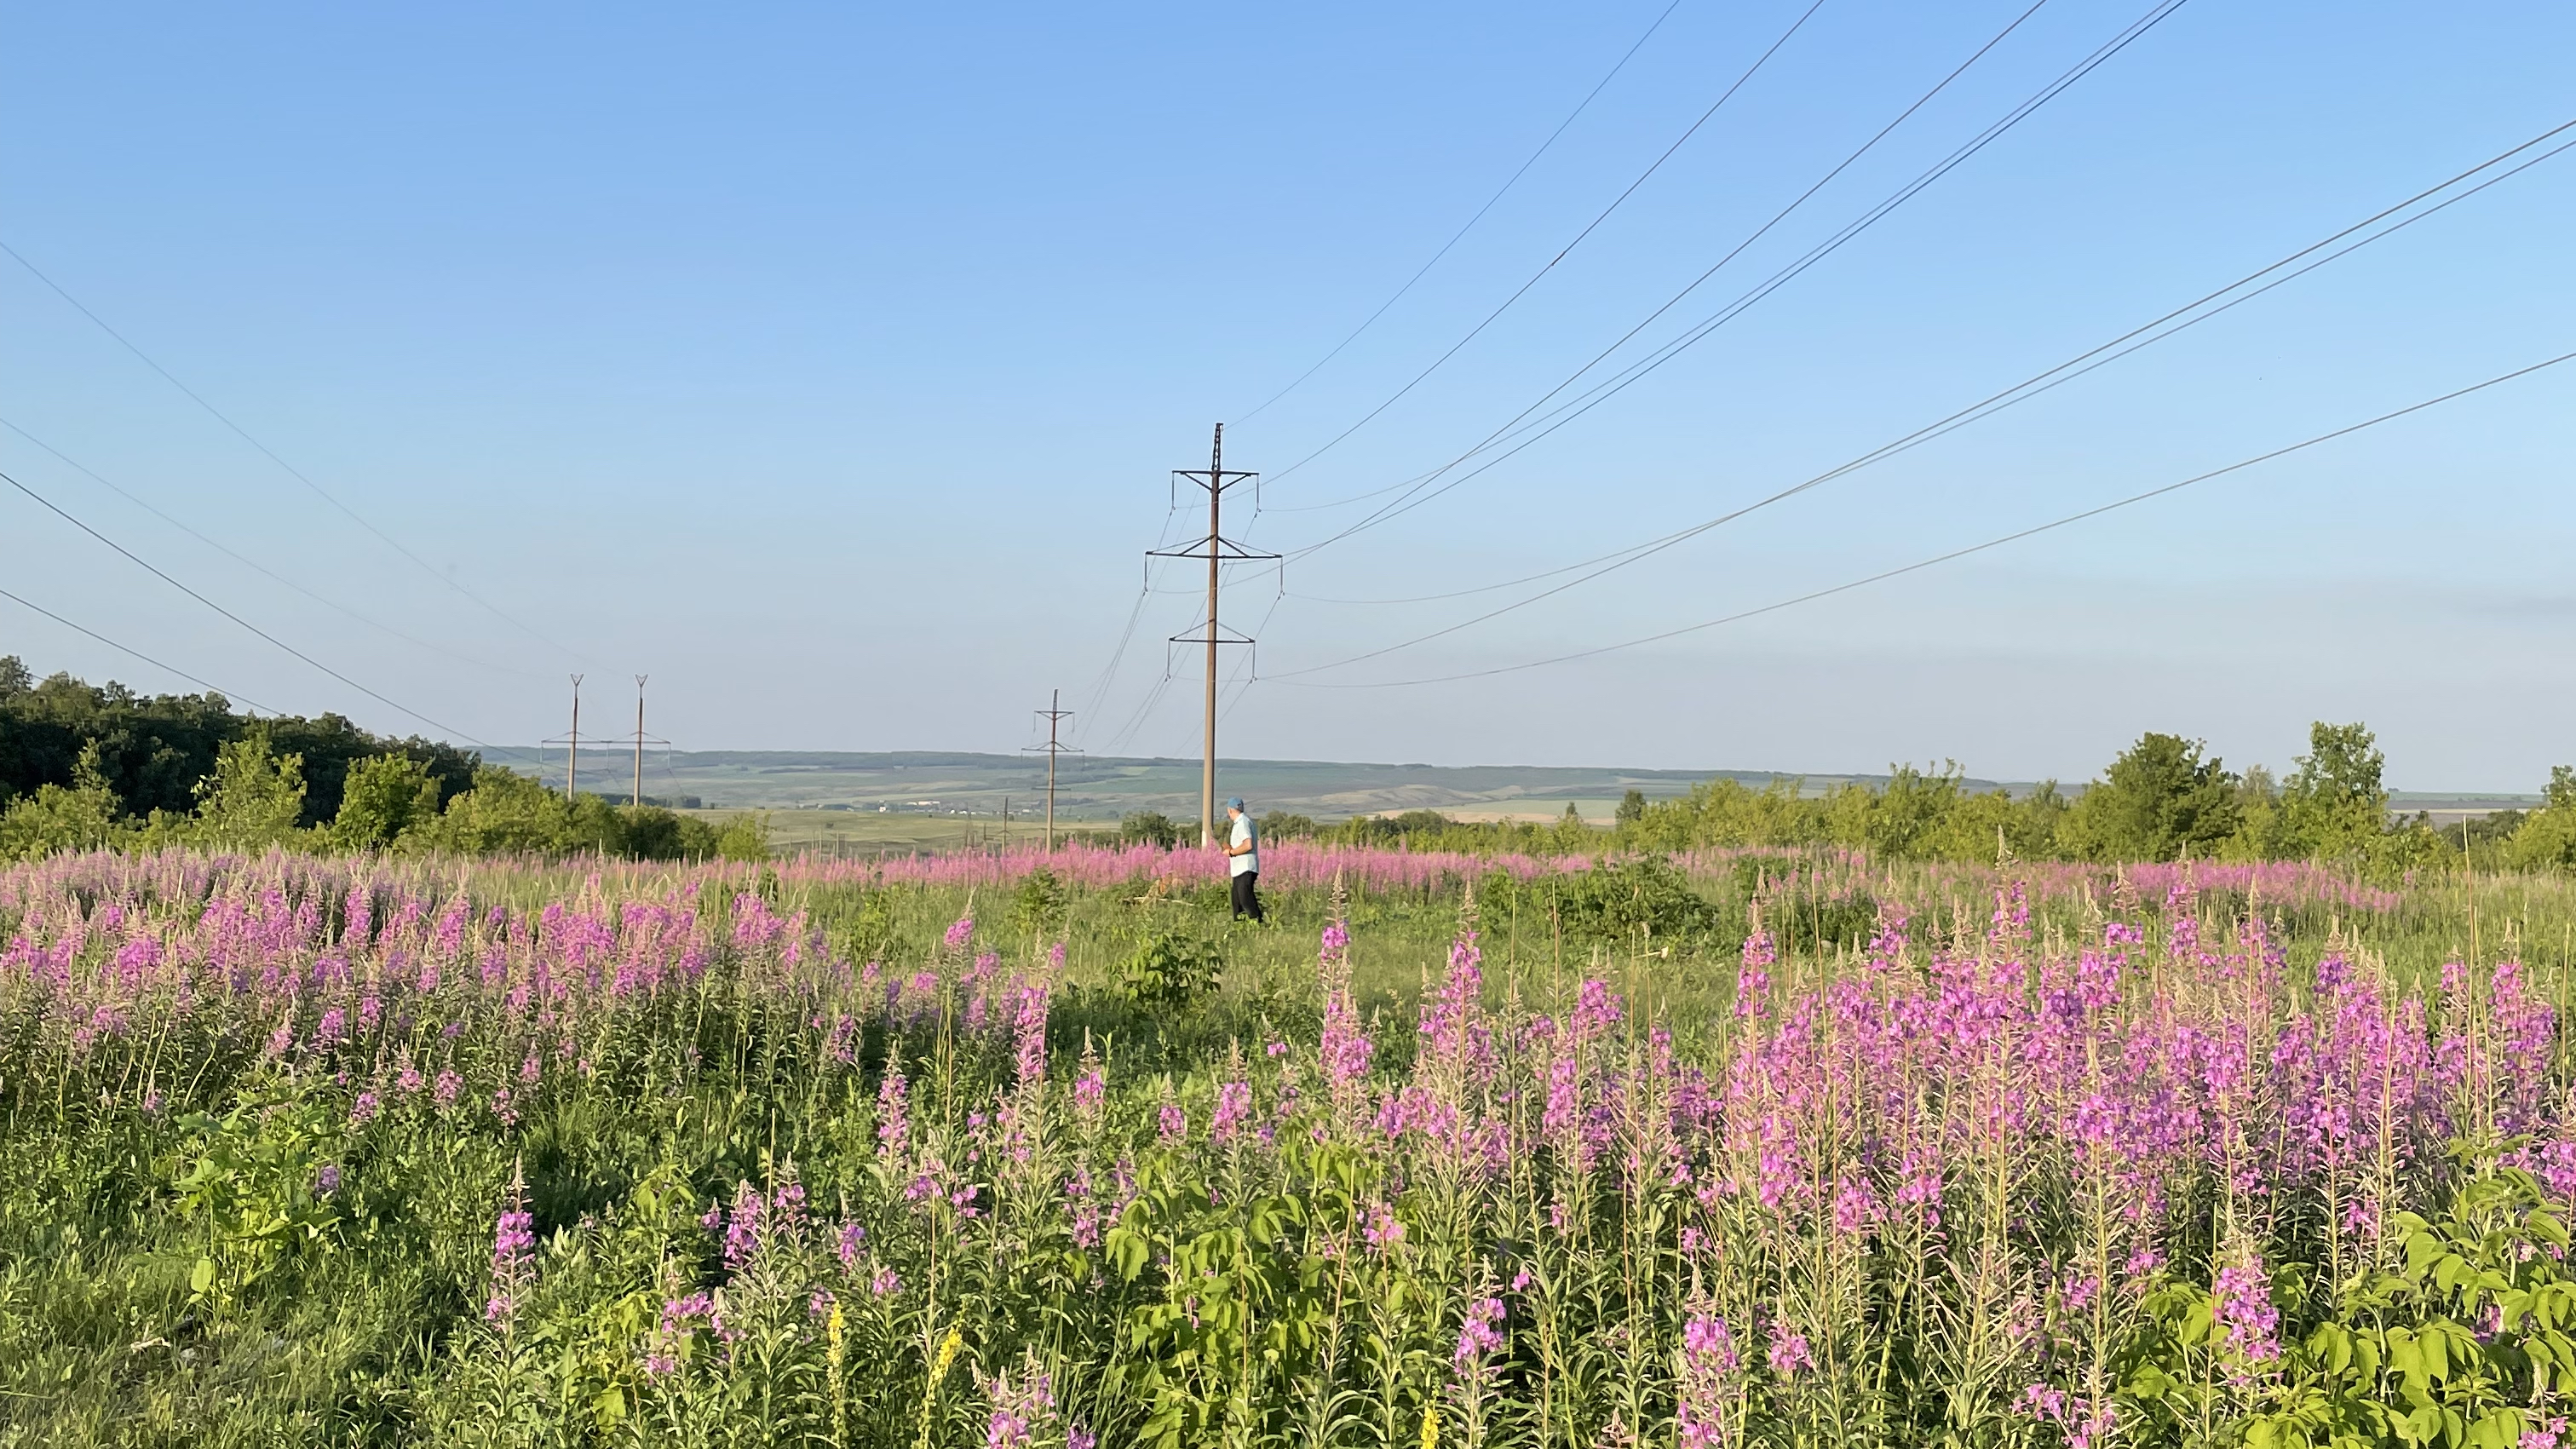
744, 837
2161, 799
381, 798
2547, 836
2335, 804
81, 816
332, 746
1148, 827
153, 749
650, 832
1282, 825
1632, 809
254, 798
505, 813
1571, 833
1910, 812
2258, 818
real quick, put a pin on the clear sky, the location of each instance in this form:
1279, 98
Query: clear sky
828, 363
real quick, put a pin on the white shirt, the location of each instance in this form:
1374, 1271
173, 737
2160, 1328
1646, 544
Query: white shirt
1250, 860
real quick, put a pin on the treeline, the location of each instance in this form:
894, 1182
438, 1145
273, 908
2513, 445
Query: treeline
2163, 798
88, 766
1411, 830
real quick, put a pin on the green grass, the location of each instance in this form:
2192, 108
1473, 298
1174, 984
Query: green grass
368, 1334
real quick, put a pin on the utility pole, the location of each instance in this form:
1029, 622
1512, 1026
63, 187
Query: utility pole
636, 800
572, 744
1216, 549
1054, 714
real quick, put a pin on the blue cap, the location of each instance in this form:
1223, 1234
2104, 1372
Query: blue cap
1234, 804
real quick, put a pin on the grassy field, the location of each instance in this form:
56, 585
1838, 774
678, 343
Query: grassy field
1737, 1148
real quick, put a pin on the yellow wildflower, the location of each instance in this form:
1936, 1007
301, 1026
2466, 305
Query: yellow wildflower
1430, 1428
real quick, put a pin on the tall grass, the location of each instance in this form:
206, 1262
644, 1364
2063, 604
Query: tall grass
312, 1151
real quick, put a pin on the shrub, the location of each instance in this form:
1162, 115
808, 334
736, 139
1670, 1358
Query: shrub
1618, 902
1171, 970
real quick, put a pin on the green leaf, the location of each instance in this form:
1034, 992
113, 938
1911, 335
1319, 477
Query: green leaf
2334, 1345
202, 1277
1127, 1252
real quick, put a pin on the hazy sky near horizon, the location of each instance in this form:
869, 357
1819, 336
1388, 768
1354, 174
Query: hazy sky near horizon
828, 364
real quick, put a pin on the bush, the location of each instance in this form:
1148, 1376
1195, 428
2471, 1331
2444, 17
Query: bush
1811, 920
1039, 903
382, 798
1148, 827
744, 837
649, 832
1281, 825
1620, 902
83, 816
1172, 970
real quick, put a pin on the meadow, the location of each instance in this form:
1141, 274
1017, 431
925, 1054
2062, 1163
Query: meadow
1014, 1149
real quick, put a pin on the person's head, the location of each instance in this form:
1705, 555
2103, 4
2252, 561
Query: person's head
1234, 807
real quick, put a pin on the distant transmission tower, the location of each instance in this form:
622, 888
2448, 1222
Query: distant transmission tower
572, 744
1054, 714
1216, 548
641, 739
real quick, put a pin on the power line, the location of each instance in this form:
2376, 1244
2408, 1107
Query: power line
1832, 244
1508, 184
1144, 708
1590, 227
136, 653
2191, 314
292, 471
1959, 553
1248, 673
1108, 676
250, 563
156, 572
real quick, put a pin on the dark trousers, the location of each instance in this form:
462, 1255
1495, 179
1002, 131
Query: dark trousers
1245, 902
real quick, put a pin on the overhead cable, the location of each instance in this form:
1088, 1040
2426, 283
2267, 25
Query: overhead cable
292, 471
2190, 314
253, 564
1414, 496
1461, 234
129, 649
1595, 223
140, 562
1958, 553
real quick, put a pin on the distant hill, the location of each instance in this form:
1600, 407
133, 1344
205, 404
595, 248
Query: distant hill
1100, 788
1094, 788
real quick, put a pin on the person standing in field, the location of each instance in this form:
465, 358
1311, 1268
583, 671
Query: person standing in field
1244, 846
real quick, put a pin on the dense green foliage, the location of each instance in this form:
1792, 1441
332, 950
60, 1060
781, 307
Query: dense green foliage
152, 750
2164, 798
83, 766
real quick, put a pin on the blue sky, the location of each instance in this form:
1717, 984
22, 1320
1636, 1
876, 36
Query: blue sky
828, 364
